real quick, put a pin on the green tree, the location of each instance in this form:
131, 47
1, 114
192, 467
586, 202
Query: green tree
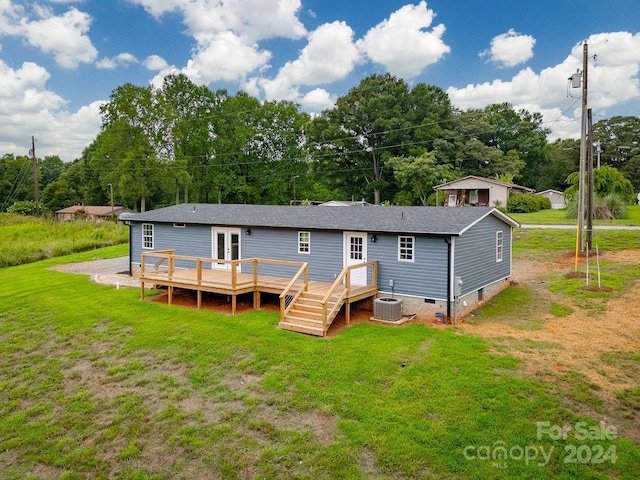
368, 125
277, 145
517, 131
618, 139
464, 149
607, 181
379, 119
418, 175
16, 180
562, 157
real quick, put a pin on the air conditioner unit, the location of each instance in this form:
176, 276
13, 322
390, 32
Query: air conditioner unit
387, 308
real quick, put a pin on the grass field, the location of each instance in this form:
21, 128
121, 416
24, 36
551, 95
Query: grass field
554, 217
97, 384
28, 239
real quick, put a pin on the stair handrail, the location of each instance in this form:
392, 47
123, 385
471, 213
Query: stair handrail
344, 274
329, 294
303, 270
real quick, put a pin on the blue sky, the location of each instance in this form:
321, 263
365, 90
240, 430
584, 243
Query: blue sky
60, 59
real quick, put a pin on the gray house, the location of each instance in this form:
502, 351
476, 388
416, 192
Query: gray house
436, 259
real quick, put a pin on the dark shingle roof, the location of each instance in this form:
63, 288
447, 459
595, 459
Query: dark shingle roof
432, 220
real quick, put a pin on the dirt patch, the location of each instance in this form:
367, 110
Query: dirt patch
578, 341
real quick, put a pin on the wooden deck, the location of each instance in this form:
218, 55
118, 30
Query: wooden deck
306, 306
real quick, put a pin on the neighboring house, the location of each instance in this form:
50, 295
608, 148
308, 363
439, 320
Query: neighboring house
346, 203
479, 191
89, 212
555, 197
419, 252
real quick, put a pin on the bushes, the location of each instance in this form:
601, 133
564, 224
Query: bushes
23, 207
609, 207
527, 203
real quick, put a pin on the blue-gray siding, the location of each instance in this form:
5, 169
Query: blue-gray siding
475, 255
425, 277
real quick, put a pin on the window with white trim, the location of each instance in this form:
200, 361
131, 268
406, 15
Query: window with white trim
406, 247
499, 246
147, 235
304, 242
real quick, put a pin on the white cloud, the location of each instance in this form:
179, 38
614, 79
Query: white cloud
155, 62
64, 36
157, 8
106, 64
510, 49
402, 44
120, 60
613, 79
330, 55
225, 56
318, 100
252, 19
226, 34
28, 108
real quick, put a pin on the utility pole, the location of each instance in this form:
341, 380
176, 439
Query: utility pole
583, 140
590, 212
583, 147
36, 187
111, 198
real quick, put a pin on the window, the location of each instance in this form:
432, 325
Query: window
499, 245
147, 235
406, 249
304, 242
179, 225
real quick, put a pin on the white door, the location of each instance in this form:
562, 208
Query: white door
355, 252
226, 246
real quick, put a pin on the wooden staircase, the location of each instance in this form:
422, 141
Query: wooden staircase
306, 314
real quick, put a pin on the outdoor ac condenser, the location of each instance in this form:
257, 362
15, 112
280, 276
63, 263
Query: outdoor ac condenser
387, 308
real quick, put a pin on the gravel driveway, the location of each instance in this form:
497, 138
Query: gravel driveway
112, 271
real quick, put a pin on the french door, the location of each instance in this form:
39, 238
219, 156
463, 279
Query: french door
226, 246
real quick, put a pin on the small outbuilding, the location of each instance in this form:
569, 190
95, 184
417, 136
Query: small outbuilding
437, 259
555, 197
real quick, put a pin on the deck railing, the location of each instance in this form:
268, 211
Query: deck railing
236, 274
341, 288
298, 284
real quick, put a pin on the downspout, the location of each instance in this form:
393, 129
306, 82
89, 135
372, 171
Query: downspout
447, 240
130, 248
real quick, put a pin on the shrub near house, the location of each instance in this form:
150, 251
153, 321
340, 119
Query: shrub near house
527, 203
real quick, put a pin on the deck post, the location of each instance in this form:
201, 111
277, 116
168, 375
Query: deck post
324, 317
170, 295
347, 312
255, 272
141, 289
172, 266
374, 275
199, 268
233, 304
234, 274
199, 295
256, 299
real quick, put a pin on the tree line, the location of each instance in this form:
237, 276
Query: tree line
384, 141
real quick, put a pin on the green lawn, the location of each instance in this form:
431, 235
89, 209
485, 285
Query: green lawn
28, 239
97, 384
555, 217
